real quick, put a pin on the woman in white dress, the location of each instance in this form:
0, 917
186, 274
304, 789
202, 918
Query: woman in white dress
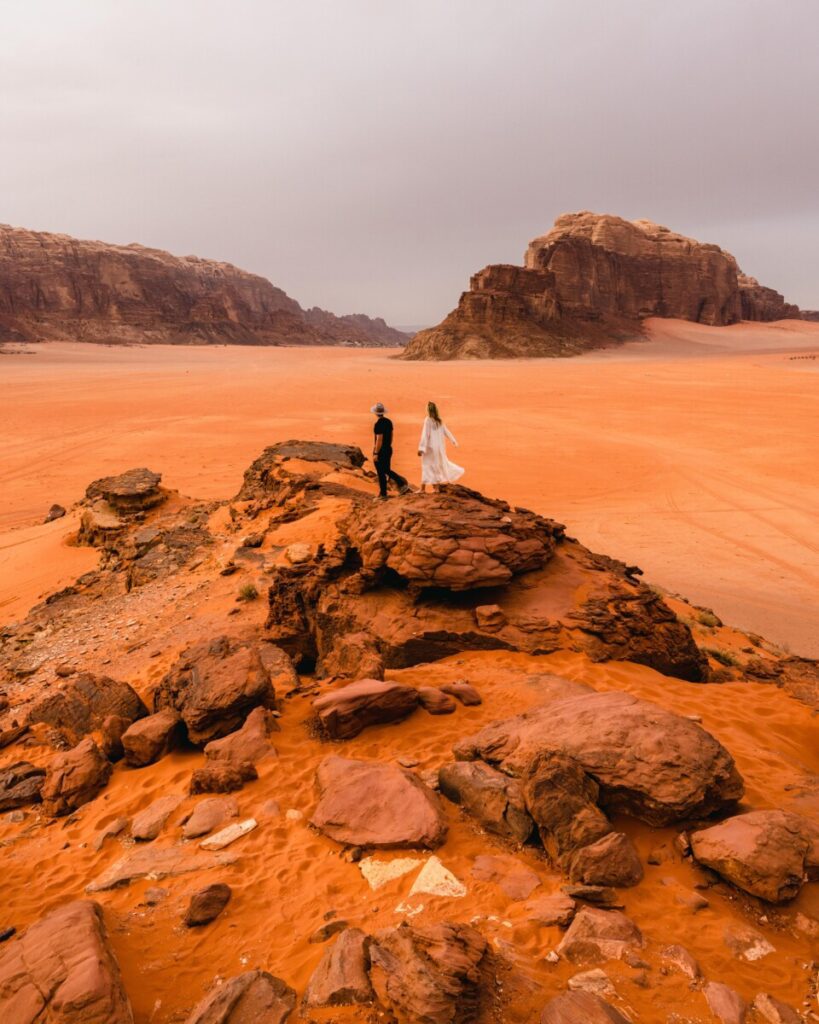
436, 469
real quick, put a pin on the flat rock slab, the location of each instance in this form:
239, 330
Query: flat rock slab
378, 873
516, 880
131, 491
229, 835
209, 814
150, 862
436, 880
367, 803
62, 969
581, 1008
596, 935
148, 823
255, 997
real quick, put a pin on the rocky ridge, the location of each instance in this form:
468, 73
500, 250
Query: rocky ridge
588, 284
57, 288
499, 861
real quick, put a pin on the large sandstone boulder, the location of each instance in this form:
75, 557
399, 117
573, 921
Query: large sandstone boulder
75, 777
456, 539
769, 853
343, 713
611, 860
489, 796
429, 974
57, 288
342, 978
590, 281
366, 803
648, 762
61, 970
580, 1008
255, 997
215, 685
83, 704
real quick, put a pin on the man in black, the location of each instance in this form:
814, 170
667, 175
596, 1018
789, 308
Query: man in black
382, 453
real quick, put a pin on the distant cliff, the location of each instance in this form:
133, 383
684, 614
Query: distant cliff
590, 282
54, 287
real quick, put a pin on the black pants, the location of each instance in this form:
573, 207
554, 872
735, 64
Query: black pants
386, 472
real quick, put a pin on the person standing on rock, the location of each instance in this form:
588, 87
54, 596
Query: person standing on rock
436, 469
382, 453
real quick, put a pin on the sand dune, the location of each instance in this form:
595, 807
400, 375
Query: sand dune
691, 453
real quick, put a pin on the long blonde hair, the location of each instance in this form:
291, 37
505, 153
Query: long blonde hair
432, 412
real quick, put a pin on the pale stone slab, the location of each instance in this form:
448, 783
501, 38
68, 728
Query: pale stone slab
229, 835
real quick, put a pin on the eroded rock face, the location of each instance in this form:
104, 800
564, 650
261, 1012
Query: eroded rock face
648, 762
66, 289
341, 978
255, 996
611, 860
83, 704
75, 777
366, 803
429, 973
20, 784
214, 686
250, 743
590, 281
768, 853
458, 541
62, 969
489, 796
343, 713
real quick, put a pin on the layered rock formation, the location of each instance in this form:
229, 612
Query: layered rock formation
58, 288
589, 283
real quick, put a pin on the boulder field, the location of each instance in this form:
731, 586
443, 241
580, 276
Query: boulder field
588, 284
299, 756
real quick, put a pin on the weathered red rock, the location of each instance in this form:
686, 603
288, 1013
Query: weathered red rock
62, 969
209, 814
214, 686
725, 1003
57, 288
149, 822
767, 853
250, 743
84, 703
580, 1008
207, 904
516, 880
595, 935
489, 796
555, 909
222, 777
429, 974
591, 281
20, 784
435, 701
648, 762
464, 692
341, 978
344, 712
75, 777
132, 491
255, 997
774, 1011
611, 860
562, 799
157, 862
366, 803
152, 737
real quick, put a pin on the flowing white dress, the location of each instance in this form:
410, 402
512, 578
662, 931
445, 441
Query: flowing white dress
435, 466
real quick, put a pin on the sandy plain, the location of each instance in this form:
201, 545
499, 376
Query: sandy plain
692, 454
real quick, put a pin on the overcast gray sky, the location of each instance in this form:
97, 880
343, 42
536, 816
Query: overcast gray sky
369, 155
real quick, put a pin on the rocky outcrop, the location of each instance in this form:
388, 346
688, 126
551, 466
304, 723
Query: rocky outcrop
590, 282
63, 969
57, 288
214, 686
255, 996
135, 490
769, 853
151, 737
83, 704
365, 803
489, 796
250, 743
429, 973
20, 784
653, 764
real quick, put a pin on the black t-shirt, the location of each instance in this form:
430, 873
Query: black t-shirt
383, 426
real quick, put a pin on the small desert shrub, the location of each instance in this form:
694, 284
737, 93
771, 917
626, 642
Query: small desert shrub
723, 657
248, 593
706, 617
